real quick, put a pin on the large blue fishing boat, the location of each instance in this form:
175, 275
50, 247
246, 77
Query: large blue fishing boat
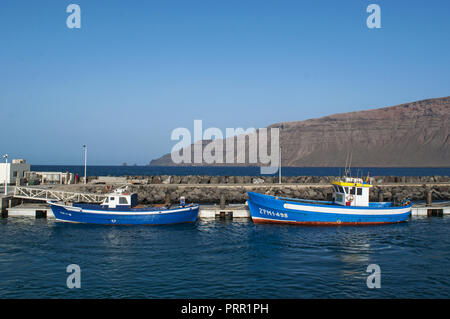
121, 208
350, 205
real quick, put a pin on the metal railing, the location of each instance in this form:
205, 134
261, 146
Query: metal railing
55, 195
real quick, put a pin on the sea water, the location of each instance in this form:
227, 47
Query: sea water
224, 259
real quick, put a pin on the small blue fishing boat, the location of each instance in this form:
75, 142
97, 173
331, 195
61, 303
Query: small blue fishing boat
121, 208
350, 206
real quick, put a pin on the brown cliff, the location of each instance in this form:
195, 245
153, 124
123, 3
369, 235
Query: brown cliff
414, 134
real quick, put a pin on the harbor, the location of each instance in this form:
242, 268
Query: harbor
223, 197
238, 150
224, 258
225, 239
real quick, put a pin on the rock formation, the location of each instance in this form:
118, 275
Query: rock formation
414, 134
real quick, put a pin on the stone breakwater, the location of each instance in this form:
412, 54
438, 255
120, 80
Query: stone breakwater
210, 189
205, 179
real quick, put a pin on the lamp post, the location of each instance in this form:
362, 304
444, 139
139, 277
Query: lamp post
85, 161
6, 173
279, 169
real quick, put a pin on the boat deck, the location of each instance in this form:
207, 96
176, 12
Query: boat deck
331, 203
138, 208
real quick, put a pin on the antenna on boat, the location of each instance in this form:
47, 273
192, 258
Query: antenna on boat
348, 170
349, 155
347, 164
345, 167
350, 163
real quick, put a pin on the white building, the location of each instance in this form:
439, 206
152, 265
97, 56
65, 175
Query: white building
15, 169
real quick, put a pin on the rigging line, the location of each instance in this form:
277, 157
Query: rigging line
347, 160
350, 145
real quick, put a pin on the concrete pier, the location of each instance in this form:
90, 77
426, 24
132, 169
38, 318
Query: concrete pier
4, 204
225, 212
437, 209
7, 202
30, 210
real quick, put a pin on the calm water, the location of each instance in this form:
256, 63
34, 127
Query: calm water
233, 259
241, 171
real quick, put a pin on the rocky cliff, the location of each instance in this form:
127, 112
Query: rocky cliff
414, 134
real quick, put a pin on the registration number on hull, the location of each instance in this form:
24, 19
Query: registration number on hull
266, 212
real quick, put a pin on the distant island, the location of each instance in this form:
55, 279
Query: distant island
415, 134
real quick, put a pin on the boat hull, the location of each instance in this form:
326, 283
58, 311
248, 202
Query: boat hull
75, 214
269, 209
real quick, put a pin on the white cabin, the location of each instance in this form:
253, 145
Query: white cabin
350, 191
120, 199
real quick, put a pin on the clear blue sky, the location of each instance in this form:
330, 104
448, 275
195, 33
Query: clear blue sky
138, 69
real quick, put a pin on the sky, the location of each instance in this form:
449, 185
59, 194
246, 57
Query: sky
137, 70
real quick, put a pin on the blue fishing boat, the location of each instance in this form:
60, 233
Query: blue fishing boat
350, 206
121, 208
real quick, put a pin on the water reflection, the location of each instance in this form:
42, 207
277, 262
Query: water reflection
353, 246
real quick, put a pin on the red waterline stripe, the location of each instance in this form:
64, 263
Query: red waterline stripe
273, 221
